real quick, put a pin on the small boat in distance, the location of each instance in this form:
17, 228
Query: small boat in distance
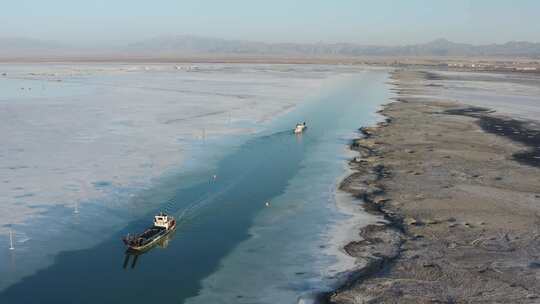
300, 128
163, 225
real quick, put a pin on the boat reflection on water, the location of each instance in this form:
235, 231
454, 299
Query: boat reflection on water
133, 255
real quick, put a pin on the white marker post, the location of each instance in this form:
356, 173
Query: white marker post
11, 239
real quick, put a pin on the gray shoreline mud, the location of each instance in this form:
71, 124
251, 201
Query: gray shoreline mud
458, 188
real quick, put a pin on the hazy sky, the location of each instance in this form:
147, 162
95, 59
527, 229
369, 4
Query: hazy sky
366, 22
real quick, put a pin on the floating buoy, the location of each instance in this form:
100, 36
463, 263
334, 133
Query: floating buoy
267, 204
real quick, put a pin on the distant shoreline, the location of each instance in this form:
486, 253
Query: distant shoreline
458, 64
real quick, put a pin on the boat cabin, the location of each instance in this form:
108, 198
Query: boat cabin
300, 128
163, 220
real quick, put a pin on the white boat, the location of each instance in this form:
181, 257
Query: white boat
300, 128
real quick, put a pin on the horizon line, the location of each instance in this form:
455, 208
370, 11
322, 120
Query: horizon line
66, 43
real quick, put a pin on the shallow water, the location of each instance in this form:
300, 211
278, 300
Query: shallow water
229, 247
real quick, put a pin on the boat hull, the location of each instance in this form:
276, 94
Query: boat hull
299, 130
153, 240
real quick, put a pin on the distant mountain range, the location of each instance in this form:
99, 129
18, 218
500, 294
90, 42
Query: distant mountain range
439, 47
186, 45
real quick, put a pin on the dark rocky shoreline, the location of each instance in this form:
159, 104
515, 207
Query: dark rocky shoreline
380, 243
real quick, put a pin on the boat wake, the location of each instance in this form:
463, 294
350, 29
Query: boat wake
187, 213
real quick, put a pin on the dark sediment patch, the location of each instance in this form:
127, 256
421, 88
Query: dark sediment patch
468, 111
516, 130
431, 76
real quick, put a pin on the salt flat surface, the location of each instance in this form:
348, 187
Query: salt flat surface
71, 134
